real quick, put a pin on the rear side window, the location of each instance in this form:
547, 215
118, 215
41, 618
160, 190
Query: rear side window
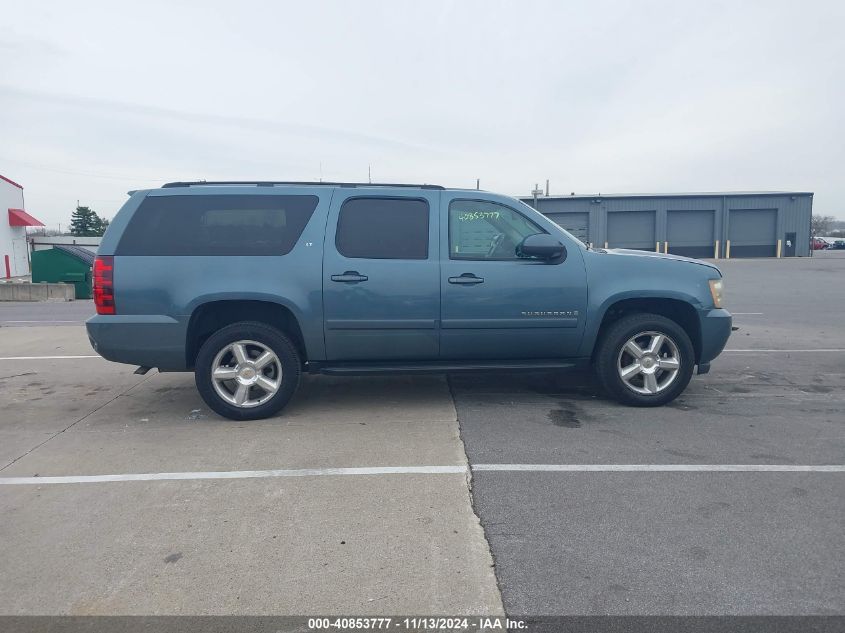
217, 225
383, 228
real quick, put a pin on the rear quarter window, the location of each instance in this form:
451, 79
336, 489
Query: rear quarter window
217, 225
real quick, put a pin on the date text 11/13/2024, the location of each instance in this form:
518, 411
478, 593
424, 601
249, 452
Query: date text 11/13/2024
418, 623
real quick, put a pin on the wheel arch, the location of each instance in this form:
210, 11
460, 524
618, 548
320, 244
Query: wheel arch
680, 310
210, 316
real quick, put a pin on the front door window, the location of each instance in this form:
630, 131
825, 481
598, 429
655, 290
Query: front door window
481, 230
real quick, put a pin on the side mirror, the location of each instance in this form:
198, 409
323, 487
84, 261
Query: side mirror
541, 246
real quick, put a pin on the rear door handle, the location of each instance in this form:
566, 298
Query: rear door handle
467, 279
350, 277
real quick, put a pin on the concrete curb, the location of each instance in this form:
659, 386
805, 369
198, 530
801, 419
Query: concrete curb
37, 292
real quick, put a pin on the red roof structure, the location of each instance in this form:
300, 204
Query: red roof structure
19, 217
10, 181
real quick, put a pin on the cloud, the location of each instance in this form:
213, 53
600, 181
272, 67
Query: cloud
602, 96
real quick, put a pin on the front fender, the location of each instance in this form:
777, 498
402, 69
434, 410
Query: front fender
613, 278
597, 313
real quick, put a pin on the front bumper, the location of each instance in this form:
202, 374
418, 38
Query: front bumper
715, 331
148, 340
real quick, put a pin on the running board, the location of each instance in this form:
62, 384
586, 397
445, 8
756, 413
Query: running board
441, 367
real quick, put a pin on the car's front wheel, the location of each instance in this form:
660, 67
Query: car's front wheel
644, 360
247, 371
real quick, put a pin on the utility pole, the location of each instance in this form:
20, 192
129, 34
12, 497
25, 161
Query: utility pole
478, 183
536, 192
369, 174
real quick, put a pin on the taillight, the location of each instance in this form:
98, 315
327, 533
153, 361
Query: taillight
104, 284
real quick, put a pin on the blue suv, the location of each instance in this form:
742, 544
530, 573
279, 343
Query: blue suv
249, 284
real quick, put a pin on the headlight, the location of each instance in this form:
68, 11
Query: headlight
716, 292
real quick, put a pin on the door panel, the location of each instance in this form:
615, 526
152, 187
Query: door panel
691, 233
789, 245
631, 229
509, 308
20, 265
753, 232
381, 299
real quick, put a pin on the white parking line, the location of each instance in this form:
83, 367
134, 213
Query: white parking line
746, 313
47, 357
423, 470
239, 474
663, 468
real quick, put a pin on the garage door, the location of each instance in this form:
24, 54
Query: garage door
631, 229
576, 223
691, 233
753, 232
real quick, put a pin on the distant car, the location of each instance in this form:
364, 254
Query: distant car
819, 244
838, 245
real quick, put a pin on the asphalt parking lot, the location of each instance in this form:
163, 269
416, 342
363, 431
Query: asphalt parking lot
357, 499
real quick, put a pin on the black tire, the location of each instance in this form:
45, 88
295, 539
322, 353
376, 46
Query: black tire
608, 354
266, 335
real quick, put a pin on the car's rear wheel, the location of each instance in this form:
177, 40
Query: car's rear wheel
644, 360
247, 371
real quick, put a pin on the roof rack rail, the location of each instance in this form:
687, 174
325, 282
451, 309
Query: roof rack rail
270, 183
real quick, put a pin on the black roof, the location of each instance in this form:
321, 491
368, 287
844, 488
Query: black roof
270, 183
83, 254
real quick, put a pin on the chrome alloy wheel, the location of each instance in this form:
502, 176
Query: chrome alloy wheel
649, 362
246, 373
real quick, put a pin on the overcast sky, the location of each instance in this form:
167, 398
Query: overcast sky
97, 98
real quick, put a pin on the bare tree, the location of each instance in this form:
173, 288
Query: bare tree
820, 224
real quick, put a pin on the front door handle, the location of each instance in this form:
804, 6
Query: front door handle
467, 279
350, 277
